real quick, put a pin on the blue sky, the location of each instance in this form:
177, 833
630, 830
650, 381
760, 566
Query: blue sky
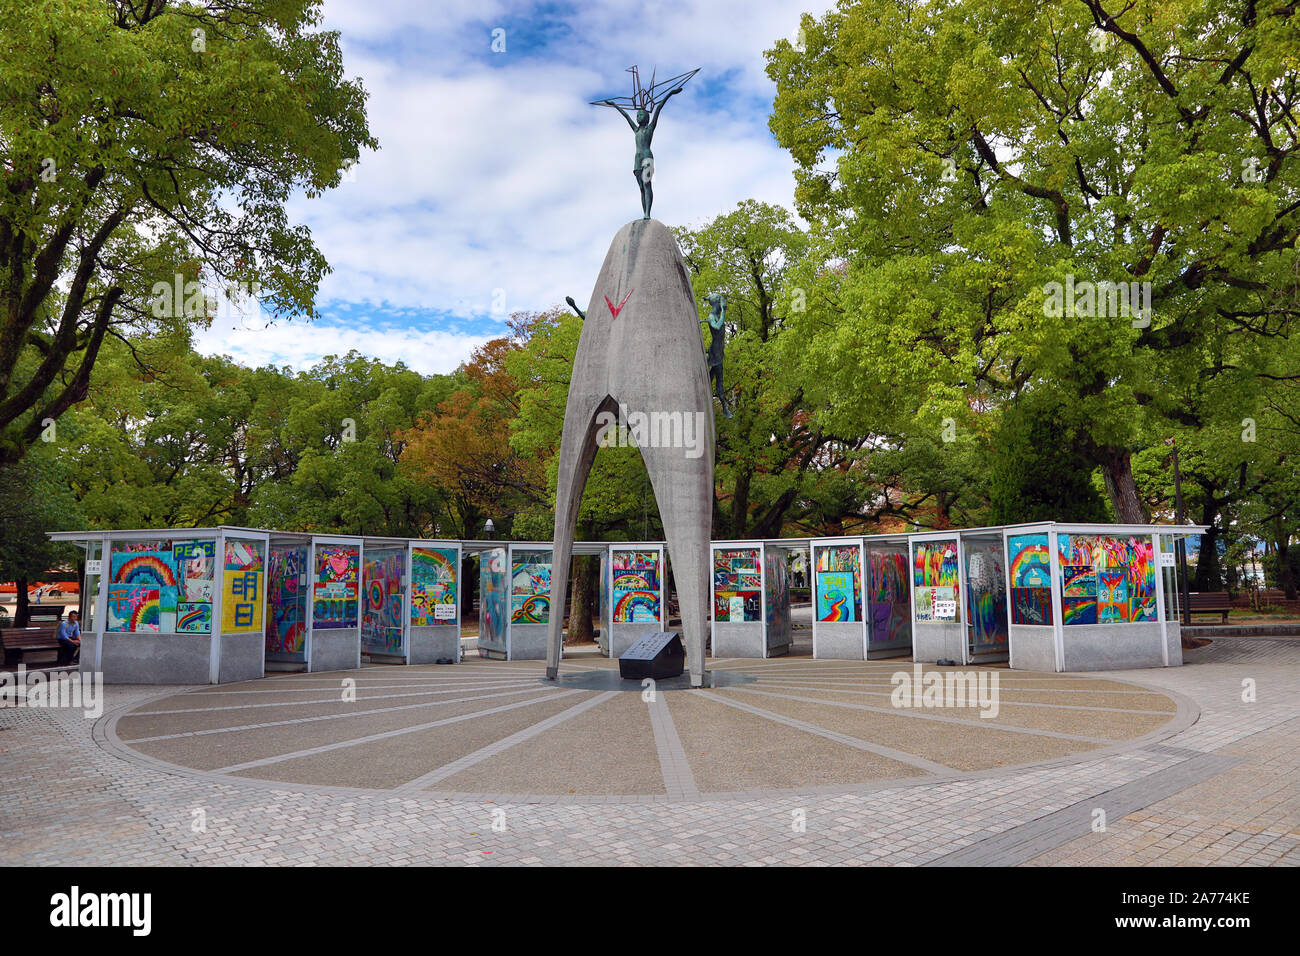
496, 183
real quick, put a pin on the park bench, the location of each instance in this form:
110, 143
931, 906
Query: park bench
1209, 602
18, 642
45, 613
1276, 597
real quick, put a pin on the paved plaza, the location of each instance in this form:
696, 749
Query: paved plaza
787, 761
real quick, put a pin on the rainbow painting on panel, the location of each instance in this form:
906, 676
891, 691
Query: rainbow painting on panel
530, 587
433, 586
635, 587
133, 608
287, 600
838, 578
1031, 579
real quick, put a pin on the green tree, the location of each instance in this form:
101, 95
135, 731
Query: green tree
462, 445
148, 144
986, 149
35, 499
769, 448
342, 444
1036, 471
161, 440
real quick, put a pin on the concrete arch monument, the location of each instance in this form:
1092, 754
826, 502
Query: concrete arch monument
640, 360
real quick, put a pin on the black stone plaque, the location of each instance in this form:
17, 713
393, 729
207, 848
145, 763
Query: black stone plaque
657, 656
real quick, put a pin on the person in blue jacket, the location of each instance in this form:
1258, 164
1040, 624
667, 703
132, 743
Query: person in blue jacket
69, 640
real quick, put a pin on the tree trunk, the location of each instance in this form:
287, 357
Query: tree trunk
1209, 576
20, 609
1285, 578
582, 602
1117, 467
740, 502
943, 510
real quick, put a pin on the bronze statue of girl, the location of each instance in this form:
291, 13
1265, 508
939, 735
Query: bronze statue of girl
644, 128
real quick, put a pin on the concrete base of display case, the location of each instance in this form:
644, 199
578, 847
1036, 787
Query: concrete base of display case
432, 643
840, 640
738, 639
335, 649
528, 642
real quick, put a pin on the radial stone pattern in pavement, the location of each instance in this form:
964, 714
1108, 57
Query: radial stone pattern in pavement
500, 729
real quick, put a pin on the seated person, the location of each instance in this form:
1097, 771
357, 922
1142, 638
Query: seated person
69, 640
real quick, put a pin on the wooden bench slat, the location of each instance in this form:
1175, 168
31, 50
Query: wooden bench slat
18, 641
1209, 602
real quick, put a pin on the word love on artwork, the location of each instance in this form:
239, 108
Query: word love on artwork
161, 586
335, 591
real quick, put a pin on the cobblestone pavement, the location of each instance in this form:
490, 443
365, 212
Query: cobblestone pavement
1214, 782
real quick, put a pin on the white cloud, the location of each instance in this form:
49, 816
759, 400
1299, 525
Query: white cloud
303, 344
494, 173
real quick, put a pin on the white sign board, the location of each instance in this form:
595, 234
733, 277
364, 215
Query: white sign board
444, 612
945, 610
1166, 559
95, 567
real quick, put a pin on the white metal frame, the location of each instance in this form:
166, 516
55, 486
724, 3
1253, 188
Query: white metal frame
965, 597
337, 541
862, 621
1058, 599
951, 534
101, 602
511, 548
1044, 529
657, 546
739, 545
219, 588
1160, 597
